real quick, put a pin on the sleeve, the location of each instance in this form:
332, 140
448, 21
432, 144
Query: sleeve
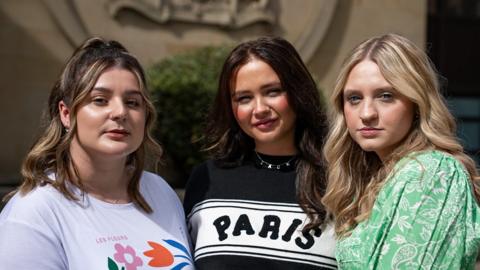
432, 219
24, 246
196, 188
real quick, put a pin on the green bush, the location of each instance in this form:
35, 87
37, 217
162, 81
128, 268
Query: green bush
183, 87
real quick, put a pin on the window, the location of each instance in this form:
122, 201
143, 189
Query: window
453, 42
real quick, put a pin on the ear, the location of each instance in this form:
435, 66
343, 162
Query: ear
64, 114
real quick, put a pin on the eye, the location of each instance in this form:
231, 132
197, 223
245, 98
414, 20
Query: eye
274, 92
242, 99
133, 103
386, 96
100, 101
353, 99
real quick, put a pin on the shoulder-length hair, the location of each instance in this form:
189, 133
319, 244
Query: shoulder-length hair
229, 145
356, 176
51, 152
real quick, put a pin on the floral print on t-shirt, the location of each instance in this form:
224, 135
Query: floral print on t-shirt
171, 254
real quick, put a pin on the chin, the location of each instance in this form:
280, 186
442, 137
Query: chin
368, 147
118, 151
266, 140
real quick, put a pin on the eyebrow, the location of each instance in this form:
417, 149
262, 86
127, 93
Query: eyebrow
264, 86
379, 89
128, 92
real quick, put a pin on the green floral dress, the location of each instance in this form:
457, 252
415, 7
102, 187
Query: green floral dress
425, 217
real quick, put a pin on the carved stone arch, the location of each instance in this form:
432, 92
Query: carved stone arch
67, 19
303, 22
315, 31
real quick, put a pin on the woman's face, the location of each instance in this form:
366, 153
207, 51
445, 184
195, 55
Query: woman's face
378, 117
261, 108
111, 120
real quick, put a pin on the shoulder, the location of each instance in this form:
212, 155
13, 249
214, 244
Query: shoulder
197, 185
200, 173
30, 230
163, 200
36, 208
430, 172
39, 199
152, 180
431, 157
428, 165
157, 191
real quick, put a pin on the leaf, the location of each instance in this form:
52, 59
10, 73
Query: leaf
425, 234
179, 246
404, 204
399, 239
182, 256
180, 266
403, 223
112, 265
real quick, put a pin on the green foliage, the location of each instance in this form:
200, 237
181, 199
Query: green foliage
183, 87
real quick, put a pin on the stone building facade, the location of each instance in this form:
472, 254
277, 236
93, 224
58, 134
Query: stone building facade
38, 36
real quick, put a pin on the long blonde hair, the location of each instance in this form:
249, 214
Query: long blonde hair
355, 176
51, 152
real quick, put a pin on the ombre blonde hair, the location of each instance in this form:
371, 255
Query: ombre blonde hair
356, 176
51, 152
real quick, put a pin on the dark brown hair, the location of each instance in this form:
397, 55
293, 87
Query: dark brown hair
229, 145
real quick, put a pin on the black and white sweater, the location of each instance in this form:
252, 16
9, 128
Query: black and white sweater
248, 217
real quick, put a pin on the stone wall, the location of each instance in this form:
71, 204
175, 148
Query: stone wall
38, 36
356, 20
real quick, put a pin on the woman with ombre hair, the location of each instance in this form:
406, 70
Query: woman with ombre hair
86, 201
403, 192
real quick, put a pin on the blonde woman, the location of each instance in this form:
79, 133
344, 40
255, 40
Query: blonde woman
86, 202
403, 193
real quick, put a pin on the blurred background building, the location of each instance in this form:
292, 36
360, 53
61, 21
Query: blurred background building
37, 37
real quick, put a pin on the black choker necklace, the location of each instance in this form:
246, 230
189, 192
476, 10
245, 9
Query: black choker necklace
283, 166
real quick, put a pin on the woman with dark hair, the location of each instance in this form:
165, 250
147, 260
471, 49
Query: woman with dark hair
86, 202
247, 206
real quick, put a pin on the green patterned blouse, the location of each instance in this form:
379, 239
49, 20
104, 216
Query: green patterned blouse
425, 217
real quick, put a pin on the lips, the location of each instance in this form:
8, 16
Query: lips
117, 133
265, 124
369, 132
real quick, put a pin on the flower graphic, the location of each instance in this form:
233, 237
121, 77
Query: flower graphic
161, 256
127, 256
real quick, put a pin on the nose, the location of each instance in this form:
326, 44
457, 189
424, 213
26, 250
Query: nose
368, 111
261, 108
118, 110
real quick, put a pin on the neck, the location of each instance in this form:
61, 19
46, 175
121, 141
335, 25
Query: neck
281, 146
276, 149
104, 178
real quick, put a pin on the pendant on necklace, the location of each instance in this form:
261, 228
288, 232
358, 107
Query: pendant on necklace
271, 166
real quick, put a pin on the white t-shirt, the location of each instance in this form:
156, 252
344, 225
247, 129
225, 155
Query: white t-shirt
44, 230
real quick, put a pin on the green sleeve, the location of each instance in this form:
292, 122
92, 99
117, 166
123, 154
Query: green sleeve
424, 217
431, 224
